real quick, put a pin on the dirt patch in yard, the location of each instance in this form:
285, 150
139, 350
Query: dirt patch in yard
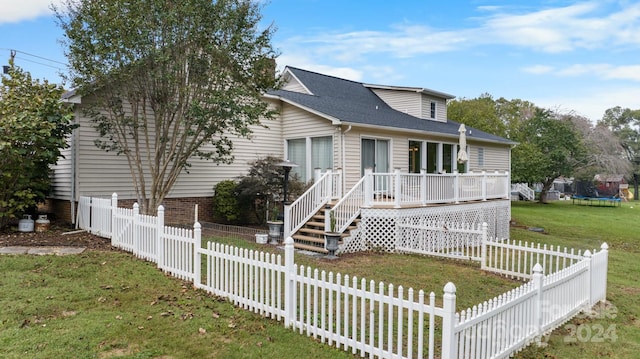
57, 236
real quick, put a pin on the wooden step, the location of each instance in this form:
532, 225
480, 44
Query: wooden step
315, 224
319, 232
302, 237
311, 248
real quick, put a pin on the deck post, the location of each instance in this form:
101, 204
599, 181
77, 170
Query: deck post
484, 185
398, 188
368, 187
423, 187
507, 193
456, 187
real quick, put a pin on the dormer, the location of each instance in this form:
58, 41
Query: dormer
416, 101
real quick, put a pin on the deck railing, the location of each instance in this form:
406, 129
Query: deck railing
411, 189
326, 187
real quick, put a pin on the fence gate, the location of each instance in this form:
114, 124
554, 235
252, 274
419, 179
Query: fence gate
450, 240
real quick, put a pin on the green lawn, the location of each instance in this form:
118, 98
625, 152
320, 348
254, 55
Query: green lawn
103, 305
615, 331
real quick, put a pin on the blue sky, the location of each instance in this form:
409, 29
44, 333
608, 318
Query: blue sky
580, 56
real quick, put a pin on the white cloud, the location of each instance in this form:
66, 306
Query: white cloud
12, 11
584, 25
600, 71
588, 25
538, 69
306, 63
593, 102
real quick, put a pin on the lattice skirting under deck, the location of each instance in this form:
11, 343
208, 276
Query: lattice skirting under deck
377, 228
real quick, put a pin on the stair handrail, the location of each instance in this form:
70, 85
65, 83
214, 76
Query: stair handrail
348, 208
525, 190
302, 209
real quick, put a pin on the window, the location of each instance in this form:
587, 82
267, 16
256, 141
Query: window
415, 156
432, 157
322, 153
447, 158
296, 153
310, 153
480, 152
433, 109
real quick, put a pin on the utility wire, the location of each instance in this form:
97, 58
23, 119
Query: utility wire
40, 57
40, 63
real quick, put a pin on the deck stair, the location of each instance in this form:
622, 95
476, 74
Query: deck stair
311, 236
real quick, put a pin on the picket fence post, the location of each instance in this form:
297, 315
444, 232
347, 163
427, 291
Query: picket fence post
449, 347
602, 268
537, 284
592, 289
483, 250
289, 282
160, 237
197, 243
136, 229
114, 207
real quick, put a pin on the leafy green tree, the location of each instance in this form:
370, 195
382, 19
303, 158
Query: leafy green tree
33, 126
169, 81
500, 117
549, 147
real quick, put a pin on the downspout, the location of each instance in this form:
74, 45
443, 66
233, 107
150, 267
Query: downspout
73, 175
344, 162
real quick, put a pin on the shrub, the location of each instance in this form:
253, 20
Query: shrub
260, 191
225, 201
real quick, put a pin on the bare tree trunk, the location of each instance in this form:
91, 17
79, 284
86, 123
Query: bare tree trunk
546, 185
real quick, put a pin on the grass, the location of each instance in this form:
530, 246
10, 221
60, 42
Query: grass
103, 305
615, 331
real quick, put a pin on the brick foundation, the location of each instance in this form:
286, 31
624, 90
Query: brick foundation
177, 210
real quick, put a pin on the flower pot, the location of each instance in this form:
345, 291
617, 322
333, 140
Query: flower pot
331, 240
275, 231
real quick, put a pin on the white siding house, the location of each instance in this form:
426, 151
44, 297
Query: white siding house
324, 122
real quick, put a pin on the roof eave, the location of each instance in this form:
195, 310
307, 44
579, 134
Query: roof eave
412, 89
334, 120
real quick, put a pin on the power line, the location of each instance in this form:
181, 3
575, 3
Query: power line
40, 63
37, 56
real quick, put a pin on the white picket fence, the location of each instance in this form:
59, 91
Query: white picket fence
366, 317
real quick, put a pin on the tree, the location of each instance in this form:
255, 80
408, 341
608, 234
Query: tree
605, 153
624, 123
33, 126
549, 147
260, 191
500, 117
480, 113
169, 81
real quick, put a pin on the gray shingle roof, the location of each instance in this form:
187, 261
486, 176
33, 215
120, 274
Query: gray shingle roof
353, 103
